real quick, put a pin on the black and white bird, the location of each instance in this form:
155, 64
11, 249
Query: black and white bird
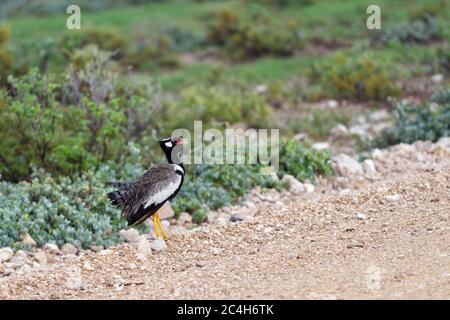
142, 198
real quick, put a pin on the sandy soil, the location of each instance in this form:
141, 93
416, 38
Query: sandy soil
370, 244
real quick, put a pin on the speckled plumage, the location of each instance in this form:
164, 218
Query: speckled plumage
142, 198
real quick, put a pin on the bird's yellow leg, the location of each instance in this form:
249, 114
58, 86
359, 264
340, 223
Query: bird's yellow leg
161, 227
155, 224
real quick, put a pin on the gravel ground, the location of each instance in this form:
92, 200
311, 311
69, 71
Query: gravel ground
389, 239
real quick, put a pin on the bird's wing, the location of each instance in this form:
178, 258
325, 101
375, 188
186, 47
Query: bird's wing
153, 188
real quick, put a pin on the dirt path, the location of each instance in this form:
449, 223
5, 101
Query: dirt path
362, 245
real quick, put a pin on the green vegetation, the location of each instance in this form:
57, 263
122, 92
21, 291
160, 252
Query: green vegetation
302, 162
79, 108
412, 122
361, 77
254, 35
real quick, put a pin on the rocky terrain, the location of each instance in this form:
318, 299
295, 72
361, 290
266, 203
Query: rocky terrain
379, 229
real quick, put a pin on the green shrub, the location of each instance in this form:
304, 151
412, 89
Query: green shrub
319, 123
215, 186
6, 60
64, 210
229, 104
433, 9
68, 128
412, 122
302, 162
253, 35
423, 29
282, 3
364, 77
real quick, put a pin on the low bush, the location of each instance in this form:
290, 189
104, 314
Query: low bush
363, 77
69, 125
6, 60
215, 186
253, 35
319, 123
412, 122
423, 29
302, 162
64, 210
223, 104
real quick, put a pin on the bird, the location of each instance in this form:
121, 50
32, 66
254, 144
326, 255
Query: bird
143, 198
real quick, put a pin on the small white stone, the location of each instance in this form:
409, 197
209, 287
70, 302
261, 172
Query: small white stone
6, 254
293, 185
321, 146
261, 88
69, 248
332, 104
184, 218
360, 216
87, 266
437, 78
105, 252
144, 247
131, 235
346, 165
393, 198
158, 245
309, 187
377, 155
28, 240
166, 212
369, 168
51, 248
41, 258
339, 131
165, 224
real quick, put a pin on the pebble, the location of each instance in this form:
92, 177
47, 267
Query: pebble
321, 146
309, 187
166, 212
369, 168
158, 245
87, 266
165, 224
41, 258
69, 248
293, 185
75, 282
235, 218
28, 240
2, 268
105, 252
97, 248
346, 165
131, 235
339, 131
184, 218
393, 198
437, 78
332, 104
51, 248
360, 216
144, 248
6, 254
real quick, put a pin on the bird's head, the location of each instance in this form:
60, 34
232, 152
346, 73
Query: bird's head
173, 148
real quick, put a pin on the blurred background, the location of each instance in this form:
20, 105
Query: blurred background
81, 107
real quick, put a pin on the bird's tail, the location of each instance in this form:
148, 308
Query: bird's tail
119, 198
122, 196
